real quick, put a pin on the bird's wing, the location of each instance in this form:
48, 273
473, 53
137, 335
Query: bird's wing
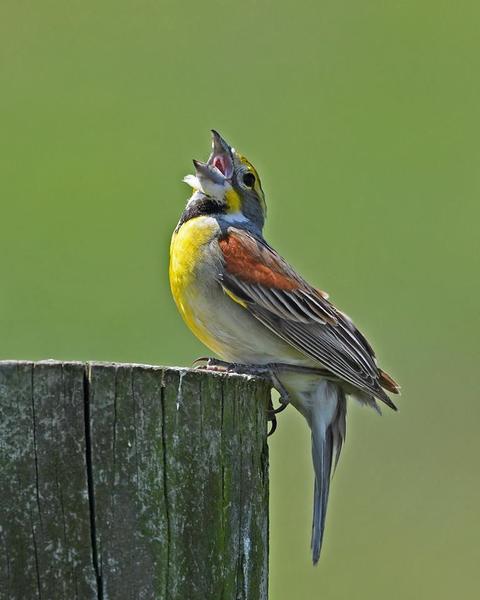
257, 277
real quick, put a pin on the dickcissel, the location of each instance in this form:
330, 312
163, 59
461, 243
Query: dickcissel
251, 308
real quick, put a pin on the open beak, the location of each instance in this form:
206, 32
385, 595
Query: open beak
211, 177
205, 171
221, 156
219, 166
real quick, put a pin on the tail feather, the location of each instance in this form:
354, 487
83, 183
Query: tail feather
387, 382
339, 426
323, 456
328, 412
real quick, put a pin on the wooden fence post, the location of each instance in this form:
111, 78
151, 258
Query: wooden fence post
123, 481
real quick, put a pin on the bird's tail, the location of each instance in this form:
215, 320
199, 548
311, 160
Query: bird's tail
328, 410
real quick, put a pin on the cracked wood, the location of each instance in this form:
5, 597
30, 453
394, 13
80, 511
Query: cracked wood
130, 481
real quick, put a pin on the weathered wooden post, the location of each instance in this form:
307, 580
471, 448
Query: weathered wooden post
131, 482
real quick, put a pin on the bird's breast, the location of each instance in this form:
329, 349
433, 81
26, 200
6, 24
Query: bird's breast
192, 274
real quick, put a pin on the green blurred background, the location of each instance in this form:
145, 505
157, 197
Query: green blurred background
363, 120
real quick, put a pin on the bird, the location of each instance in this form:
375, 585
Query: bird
258, 314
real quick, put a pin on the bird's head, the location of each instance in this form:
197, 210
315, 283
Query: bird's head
230, 182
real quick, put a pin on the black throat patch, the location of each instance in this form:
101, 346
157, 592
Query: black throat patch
204, 206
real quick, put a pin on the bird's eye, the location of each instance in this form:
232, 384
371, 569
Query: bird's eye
249, 179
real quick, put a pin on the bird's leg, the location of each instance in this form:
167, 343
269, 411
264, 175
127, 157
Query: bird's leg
278, 385
266, 371
284, 401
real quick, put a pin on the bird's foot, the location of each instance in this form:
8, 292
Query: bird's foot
215, 364
266, 371
212, 364
272, 414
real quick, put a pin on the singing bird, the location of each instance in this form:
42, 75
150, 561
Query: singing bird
253, 310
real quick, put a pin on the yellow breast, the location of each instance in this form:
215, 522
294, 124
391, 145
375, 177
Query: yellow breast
187, 255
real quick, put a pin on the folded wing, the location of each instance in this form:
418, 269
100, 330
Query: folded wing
298, 313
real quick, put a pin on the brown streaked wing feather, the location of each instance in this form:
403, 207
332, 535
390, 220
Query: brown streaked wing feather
258, 272
388, 382
298, 313
253, 262
318, 343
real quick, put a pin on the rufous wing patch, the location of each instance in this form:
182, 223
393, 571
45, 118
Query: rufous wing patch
246, 259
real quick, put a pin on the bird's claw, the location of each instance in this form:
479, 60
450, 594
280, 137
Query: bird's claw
265, 371
273, 412
211, 364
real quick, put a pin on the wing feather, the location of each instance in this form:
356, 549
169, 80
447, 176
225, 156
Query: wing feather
298, 313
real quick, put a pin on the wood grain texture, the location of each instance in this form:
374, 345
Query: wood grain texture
130, 481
